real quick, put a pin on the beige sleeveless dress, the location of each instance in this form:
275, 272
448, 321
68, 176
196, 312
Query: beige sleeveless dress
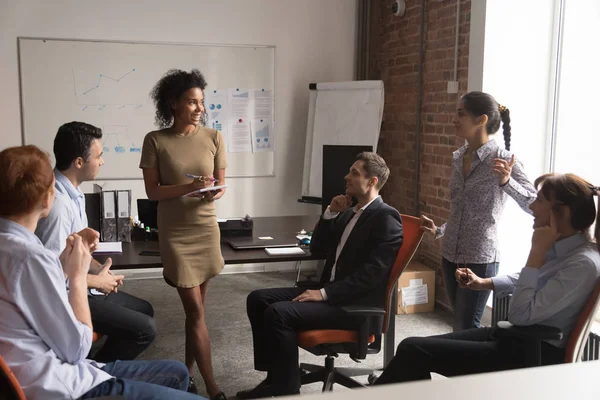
188, 232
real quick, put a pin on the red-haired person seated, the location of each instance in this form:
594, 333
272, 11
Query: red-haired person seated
46, 333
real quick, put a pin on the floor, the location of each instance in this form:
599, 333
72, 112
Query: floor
230, 332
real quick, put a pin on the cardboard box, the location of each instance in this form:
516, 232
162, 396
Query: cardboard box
416, 289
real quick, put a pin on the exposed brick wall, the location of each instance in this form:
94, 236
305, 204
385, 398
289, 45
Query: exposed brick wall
394, 58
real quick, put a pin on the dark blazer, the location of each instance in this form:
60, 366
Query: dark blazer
364, 265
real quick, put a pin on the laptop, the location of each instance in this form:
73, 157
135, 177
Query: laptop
245, 243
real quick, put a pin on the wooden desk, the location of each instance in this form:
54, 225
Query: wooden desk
286, 227
131, 258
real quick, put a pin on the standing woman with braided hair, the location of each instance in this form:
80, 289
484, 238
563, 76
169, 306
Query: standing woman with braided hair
483, 177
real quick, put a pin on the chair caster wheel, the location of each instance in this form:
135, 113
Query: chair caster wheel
372, 378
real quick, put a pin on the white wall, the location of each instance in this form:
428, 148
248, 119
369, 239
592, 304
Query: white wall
315, 42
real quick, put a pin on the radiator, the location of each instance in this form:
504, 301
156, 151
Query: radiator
592, 348
500, 309
500, 313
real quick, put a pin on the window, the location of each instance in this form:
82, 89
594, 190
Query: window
518, 73
578, 112
577, 141
540, 61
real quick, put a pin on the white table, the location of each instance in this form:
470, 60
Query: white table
579, 381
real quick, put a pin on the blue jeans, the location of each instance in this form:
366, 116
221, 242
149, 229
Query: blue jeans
468, 304
145, 380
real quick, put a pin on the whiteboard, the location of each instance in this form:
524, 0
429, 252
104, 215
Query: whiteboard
340, 113
108, 84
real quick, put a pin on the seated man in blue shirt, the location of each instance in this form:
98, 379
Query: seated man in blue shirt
45, 332
552, 289
126, 320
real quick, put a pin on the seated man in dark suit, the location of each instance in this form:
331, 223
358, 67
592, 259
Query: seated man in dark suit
361, 244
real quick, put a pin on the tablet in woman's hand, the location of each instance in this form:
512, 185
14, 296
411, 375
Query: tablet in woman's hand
206, 189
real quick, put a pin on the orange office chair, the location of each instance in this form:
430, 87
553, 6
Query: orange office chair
10, 389
579, 339
357, 344
9, 386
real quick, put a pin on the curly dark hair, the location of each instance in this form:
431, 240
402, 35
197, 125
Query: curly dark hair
168, 90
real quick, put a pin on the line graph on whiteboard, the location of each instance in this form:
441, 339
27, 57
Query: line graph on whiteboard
106, 89
116, 140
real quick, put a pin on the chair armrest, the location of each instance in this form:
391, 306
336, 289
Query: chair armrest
370, 316
361, 311
541, 332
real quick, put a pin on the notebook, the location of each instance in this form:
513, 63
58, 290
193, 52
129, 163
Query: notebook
109, 247
284, 251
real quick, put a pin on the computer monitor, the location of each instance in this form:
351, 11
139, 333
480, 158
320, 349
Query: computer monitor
147, 212
337, 161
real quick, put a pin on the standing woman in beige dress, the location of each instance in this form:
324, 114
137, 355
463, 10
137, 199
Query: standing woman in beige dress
188, 232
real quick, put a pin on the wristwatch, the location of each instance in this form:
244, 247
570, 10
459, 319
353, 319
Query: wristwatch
438, 233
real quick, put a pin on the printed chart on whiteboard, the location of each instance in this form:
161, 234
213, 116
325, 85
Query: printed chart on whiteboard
244, 117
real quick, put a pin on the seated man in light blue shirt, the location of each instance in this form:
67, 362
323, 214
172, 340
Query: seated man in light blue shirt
126, 320
45, 332
552, 289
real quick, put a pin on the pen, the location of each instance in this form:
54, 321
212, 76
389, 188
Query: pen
200, 177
